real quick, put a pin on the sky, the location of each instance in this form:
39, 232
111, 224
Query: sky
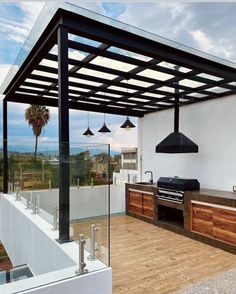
210, 27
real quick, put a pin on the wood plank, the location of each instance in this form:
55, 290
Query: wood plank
148, 206
135, 202
149, 259
224, 225
202, 219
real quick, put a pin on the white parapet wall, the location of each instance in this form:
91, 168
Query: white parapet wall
87, 201
29, 240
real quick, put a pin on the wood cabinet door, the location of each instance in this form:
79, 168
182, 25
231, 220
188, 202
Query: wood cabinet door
148, 206
135, 202
224, 225
202, 219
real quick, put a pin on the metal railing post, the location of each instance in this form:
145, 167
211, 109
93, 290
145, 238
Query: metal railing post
49, 184
28, 201
78, 183
82, 264
92, 182
18, 196
34, 204
55, 218
37, 203
93, 248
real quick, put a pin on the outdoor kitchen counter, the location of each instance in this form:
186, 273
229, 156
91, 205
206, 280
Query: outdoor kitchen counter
212, 196
209, 216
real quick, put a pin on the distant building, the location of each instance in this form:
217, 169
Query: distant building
129, 167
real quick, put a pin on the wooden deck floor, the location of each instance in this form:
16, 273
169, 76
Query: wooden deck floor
147, 259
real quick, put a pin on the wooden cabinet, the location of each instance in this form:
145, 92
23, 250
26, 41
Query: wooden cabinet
224, 225
214, 221
135, 202
141, 203
202, 219
148, 206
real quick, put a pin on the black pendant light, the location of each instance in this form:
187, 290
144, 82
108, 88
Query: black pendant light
127, 125
104, 129
88, 133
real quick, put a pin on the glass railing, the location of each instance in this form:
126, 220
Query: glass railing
34, 196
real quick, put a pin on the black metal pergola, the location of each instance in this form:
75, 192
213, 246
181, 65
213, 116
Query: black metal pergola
149, 72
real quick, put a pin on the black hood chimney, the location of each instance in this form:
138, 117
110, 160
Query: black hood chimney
176, 142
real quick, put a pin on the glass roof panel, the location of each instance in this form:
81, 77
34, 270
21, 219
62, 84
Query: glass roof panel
49, 63
42, 83
198, 95
190, 83
210, 77
129, 53
138, 99
78, 89
155, 75
115, 106
125, 103
171, 66
101, 99
167, 89
95, 73
83, 40
31, 88
139, 83
86, 82
153, 94
52, 6
118, 88
217, 90
109, 94
45, 74
232, 83
114, 64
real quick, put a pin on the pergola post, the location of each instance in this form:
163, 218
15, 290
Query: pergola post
64, 147
5, 151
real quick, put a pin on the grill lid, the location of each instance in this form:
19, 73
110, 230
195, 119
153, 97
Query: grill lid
176, 183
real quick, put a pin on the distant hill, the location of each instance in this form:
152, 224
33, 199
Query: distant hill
54, 152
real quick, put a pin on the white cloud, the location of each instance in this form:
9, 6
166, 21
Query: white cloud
19, 30
206, 44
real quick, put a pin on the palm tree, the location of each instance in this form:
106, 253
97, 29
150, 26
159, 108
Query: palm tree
37, 116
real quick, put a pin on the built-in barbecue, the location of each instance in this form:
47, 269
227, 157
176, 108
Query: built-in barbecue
173, 188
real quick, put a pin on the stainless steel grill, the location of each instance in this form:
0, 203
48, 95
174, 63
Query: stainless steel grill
173, 188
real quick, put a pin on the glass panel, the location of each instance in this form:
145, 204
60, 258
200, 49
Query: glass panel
171, 66
118, 88
210, 77
30, 216
155, 75
190, 83
49, 10
139, 83
96, 73
114, 64
217, 90
129, 53
198, 95
138, 99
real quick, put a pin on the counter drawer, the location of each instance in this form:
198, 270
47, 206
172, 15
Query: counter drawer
148, 206
202, 219
135, 202
224, 225
214, 221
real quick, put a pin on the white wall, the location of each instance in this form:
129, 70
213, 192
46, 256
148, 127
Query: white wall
29, 239
211, 125
86, 201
